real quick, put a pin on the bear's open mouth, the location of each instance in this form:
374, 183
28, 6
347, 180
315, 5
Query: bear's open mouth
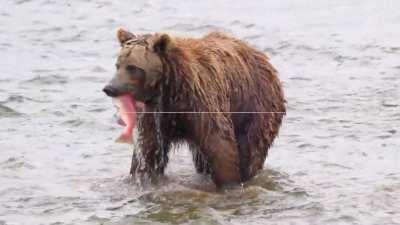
127, 109
127, 104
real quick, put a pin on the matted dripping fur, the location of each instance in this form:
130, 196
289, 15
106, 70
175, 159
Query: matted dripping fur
216, 93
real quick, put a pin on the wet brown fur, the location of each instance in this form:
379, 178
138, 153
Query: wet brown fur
215, 73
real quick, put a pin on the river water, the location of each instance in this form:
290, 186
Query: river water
336, 161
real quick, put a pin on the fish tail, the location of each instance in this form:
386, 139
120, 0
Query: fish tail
125, 139
121, 122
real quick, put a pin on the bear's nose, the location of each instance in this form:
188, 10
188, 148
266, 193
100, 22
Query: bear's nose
110, 91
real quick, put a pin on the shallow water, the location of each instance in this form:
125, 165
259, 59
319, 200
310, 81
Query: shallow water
336, 161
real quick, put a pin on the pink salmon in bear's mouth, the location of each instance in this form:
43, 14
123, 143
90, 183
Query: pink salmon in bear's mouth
126, 105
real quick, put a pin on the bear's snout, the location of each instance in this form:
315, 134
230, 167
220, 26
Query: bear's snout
110, 91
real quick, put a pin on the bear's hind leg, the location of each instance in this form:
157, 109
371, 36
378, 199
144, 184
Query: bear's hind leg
223, 157
253, 148
244, 154
252, 144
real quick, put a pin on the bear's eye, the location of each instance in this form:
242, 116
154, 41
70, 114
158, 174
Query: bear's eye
135, 72
131, 69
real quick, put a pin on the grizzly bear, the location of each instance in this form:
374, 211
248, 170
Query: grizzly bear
215, 93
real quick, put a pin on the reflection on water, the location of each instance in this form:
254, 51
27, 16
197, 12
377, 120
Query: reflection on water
335, 161
270, 193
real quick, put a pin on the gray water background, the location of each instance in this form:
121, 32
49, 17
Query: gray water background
336, 161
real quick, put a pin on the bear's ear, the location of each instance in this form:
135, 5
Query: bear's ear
162, 43
124, 35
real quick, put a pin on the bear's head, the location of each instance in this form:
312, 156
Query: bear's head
139, 66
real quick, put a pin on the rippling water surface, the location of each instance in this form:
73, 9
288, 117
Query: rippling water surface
336, 161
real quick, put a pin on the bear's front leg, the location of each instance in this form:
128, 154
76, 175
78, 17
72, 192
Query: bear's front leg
148, 163
150, 157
